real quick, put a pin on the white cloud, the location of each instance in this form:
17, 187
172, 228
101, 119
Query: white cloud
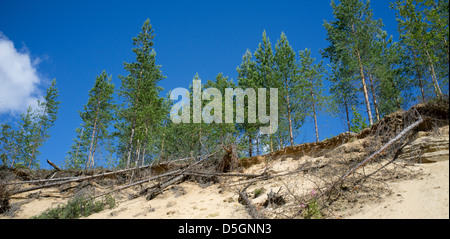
19, 80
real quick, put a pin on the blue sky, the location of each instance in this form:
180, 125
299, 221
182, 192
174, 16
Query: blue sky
74, 41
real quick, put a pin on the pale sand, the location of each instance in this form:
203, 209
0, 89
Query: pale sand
426, 197
195, 203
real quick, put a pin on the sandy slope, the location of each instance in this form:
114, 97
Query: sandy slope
189, 202
425, 197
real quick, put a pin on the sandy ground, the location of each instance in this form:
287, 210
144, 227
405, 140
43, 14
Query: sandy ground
424, 198
186, 200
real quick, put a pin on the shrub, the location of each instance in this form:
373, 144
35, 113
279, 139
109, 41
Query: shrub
77, 207
258, 192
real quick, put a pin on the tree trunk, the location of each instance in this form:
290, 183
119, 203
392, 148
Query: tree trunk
145, 145
39, 134
130, 144
374, 97
136, 101
93, 137
366, 96
280, 140
95, 149
249, 146
363, 81
163, 139
138, 153
314, 112
291, 135
437, 89
257, 144
79, 143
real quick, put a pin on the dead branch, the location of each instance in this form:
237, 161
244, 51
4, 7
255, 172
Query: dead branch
371, 157
173, 173
68, 179
140, 182
53, 165
160, 187
251, 209
222, 174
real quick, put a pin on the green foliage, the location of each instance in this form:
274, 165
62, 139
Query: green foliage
257, 192
291, 114
311, 88
77, 207
44, 118
20, 147
97, 116
142, 111
423, 29
358, 123
351, 35
343, 93
312, 210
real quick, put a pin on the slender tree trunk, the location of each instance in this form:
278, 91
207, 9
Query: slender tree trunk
90, 158
94, 150
313, 101
374, 97
280, 140
15, 155
291, 134
79, 143
200, 141
138, 153
257, 144
446, 46
363, 81
433, 75
249, 146
136, 100
145, 143
163, 139
271, 139
366, 95
143, 154
271, 143
130, 144
39, 135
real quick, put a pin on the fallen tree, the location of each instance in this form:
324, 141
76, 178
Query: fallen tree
371, 157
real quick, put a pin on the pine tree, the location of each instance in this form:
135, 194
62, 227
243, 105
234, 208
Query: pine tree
351, 35
422, 36
286, 70
266, 77
358, 123
387, 70
222, 133
311, 77
97, 116
343, 93
25, 138
248, 78
140, 92
32, 132
7, 137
